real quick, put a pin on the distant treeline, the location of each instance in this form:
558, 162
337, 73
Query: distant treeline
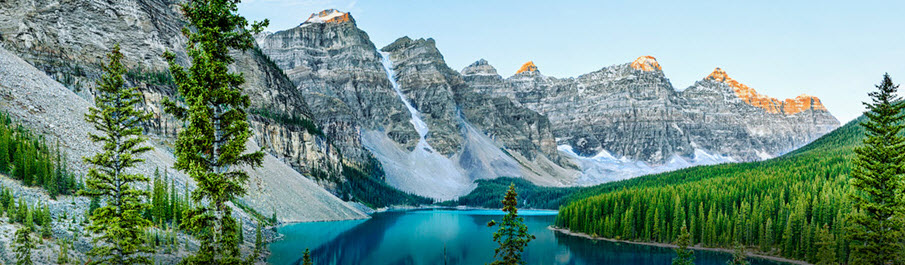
27, 157
793, 206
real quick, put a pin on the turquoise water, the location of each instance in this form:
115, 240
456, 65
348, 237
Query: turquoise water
455, 237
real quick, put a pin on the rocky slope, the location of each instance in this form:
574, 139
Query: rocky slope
630, 112
337, 70
43, 105
68, 39
33, 99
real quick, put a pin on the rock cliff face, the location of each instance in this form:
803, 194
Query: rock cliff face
337, 70
485, 136
381, 102
428, 85
631, 111
67, 40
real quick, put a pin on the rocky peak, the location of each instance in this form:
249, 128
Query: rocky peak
428, 84
646, 63
481, 67
772, 105
329, 16
801, 103
528, 67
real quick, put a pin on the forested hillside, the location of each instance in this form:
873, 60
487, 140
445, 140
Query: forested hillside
792, 206
29, 158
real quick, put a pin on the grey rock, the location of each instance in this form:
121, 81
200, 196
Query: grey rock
337, 69
631, 110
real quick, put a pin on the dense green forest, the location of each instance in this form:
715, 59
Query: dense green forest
369, 188
792, 206
27, 157
489, 194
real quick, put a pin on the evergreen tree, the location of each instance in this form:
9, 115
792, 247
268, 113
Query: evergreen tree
24, 246
23, 211
684, 255
29, 220
63, 256
46, 228
306, 258
512, 235
93, 205
211, 147
259, 240
826, 243
4, 150
119, 224
11, 213
879, 165
738, 256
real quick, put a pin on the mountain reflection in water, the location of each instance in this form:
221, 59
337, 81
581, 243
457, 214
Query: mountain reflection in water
428, 237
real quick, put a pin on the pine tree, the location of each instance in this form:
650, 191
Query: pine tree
738, 256
23, 211
877, 172
306, 258
29, 220
684, 255
24, 246
826, 243
11, 213
512, 235
4, 150
211, 147
63, 256
259, 240
46, 226
119, 225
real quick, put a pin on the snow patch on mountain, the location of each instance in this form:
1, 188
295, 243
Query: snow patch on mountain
604, 167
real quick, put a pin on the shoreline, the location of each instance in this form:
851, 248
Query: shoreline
666, 245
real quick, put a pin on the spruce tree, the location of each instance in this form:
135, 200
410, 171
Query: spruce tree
211, 147
826, 246
118, 225
63, 255
738, 256
512, 236
46, 224
684, 255
259, 240
24, 246
306, 258
878, 168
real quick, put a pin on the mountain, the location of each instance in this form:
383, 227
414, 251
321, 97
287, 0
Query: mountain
612, 119
45, 106
406, 107
433, 130
67, 40
773, 206
361, 121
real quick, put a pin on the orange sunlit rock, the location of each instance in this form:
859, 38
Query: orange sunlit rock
329, 16
646, 63
771, 105
527, 67
801, 103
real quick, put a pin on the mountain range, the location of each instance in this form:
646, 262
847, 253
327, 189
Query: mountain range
326, 101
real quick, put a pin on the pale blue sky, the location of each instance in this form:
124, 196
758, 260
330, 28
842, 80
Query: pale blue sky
835, 50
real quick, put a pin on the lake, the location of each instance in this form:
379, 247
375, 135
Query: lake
437, 236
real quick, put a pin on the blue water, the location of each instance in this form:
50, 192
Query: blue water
456, 237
